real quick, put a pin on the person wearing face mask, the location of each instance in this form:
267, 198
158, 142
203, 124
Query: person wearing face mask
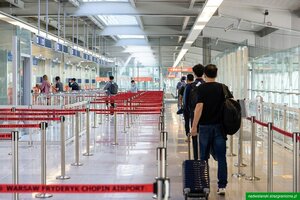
133, 88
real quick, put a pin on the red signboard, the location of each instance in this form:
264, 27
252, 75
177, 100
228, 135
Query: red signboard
171, 76
144, 79
179, 69
99, 79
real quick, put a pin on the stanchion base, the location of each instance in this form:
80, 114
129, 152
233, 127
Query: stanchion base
95, 126
63, 177
240, 165
124, 131
43, 195
87, 154
154, 196
252, 178
76, 164
115, 143
238, 175
231, 155
9, 154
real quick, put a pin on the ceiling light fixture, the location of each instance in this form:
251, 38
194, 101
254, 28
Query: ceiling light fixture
203, 18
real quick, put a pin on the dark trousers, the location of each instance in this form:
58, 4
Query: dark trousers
211, 137
188, 121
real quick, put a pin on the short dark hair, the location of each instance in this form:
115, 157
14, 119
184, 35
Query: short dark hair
57, 78
132, 81
183, 78
198, 70
111, 78
211, 71
73, 79
190, 77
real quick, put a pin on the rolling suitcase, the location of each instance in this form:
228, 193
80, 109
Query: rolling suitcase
195, 175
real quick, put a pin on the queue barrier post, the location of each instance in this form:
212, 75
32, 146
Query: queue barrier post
87, 153
115, 129
270, 158
231, 154
295, 161
95, 116
15, 161
43, 127
62, 151
124, 120
164, 138
252, 177
240, 164
76, 163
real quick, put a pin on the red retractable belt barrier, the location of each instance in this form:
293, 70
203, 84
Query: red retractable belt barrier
77, 188
29, 119
5, 136
19, 126
36, 114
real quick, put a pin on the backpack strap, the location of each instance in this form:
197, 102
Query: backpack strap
225, 92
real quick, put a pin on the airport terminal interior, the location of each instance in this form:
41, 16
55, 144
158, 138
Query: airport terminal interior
90, 102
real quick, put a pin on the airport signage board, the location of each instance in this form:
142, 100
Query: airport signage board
99, 79
95, 59
179, 69
143, 79
75, 52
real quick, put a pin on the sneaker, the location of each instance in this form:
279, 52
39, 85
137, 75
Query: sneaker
221, 191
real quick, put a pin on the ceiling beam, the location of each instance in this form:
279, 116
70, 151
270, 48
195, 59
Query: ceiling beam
148, 31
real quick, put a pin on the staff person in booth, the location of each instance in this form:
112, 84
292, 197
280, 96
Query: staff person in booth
133, 88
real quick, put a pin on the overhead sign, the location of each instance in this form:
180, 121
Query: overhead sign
143, 79
185, 69
99, 79
171, 76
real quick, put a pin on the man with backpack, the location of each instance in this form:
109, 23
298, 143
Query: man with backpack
208, 117
111, 89
190, 98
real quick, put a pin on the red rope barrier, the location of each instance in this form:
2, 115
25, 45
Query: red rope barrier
77, 188
29, 119
19, 126
288, 134
261, 123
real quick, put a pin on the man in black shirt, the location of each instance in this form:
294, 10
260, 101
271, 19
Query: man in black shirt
58, 85
73, 84
208, 114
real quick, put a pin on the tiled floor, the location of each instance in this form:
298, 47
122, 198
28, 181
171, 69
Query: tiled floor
134, 161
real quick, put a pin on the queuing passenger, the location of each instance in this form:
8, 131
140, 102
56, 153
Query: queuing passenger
58, 85
73, 85
186, 109
208, 116
192, 94
133, 88
45, 88
179, 86
111, 89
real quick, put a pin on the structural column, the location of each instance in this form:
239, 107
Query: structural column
206, 51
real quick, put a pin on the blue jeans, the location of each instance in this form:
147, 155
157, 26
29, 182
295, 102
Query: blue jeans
211, 137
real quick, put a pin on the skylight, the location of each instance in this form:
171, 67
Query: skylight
118, 20
131, 36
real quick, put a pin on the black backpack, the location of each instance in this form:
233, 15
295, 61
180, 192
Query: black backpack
231, 114
193, 98
113, 88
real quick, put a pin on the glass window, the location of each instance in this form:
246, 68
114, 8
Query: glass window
118, 20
